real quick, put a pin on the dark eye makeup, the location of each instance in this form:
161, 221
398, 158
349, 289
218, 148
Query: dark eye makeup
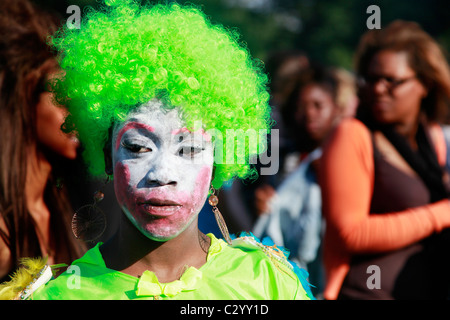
135, 148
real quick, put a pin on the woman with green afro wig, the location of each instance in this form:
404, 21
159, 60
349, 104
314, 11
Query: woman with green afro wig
138, 81
129, 55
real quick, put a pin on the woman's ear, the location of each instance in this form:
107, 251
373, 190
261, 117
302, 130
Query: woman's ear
426, 87
425, 91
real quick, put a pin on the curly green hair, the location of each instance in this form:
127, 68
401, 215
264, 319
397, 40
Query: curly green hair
129, 54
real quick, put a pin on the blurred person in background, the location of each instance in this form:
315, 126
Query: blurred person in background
237, 198
35, 211
291, 213
385, 197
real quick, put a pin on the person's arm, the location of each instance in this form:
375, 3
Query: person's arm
5, 253
347, 174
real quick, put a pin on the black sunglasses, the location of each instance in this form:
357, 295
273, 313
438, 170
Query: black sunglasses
390, 82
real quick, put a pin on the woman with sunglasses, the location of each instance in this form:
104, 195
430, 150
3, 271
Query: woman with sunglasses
385, 191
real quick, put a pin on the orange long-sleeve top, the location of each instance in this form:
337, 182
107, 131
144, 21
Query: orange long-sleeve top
347, 179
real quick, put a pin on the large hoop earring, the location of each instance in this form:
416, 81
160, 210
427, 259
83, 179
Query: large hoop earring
214, 201
89, 221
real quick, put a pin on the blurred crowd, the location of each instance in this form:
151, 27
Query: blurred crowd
363, 169
363, 175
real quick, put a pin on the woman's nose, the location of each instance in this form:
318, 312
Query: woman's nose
162, 171
380, 86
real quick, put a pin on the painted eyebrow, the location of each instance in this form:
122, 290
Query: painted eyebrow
130, 126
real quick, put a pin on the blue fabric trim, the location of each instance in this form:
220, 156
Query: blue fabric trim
301, 273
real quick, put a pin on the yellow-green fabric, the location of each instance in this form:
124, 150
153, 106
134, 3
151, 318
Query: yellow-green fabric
243, 272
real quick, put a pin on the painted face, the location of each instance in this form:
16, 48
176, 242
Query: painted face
162, 171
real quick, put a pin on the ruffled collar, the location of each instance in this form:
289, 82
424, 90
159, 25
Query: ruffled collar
149, 285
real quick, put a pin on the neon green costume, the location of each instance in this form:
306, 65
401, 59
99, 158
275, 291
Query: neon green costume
245, 271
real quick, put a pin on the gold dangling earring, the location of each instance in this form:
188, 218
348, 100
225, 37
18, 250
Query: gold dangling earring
214, 201
89, 221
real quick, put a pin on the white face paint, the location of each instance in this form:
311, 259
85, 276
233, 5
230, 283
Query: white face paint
162, 171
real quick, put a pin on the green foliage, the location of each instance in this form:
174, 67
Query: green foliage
328, 30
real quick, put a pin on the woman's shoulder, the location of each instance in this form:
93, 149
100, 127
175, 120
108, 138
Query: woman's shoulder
37, 279
263, 260
351, 137
353, 126
81, 279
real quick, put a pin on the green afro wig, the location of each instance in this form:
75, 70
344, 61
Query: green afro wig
128, 54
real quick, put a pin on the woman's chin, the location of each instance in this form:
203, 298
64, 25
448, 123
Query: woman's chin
160, 235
